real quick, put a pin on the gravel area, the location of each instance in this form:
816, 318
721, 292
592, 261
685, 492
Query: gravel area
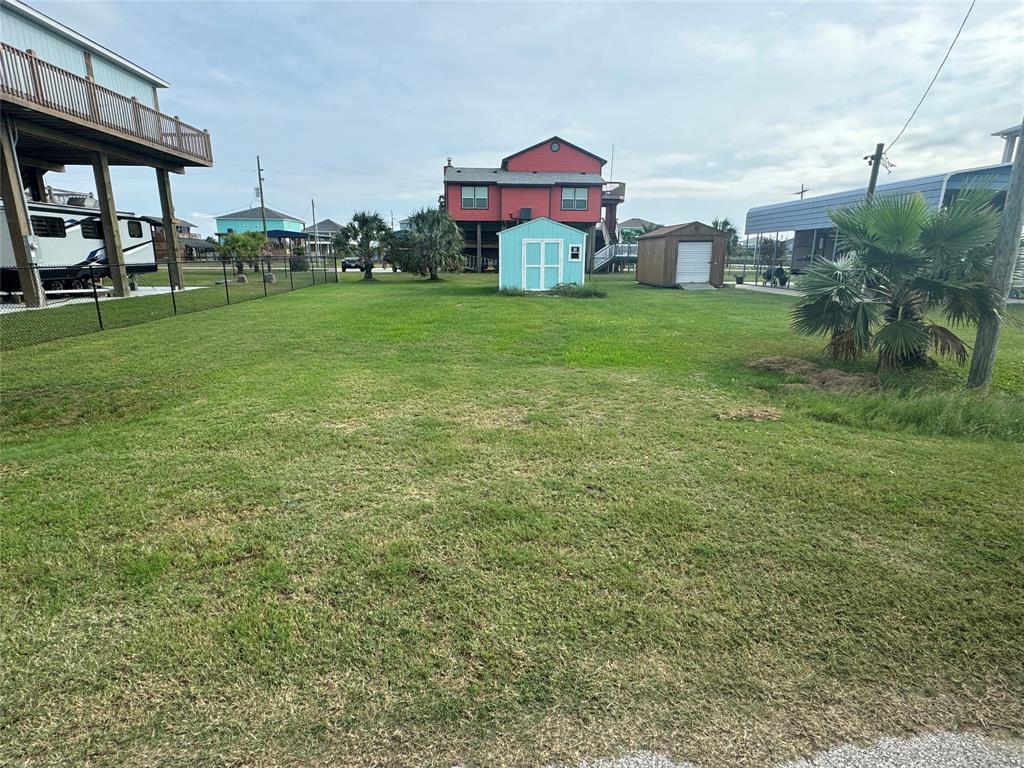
939, 750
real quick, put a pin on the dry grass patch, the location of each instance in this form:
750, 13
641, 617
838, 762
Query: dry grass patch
816, 377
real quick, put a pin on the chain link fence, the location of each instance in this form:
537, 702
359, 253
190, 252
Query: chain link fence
80, 299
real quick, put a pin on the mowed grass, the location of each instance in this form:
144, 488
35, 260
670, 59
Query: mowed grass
404, 523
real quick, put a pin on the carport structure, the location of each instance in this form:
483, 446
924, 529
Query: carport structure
56, 113
814, 234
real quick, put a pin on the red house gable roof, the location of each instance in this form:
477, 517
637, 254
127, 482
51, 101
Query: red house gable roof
542, 157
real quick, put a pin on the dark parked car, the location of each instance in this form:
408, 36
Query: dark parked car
350, 263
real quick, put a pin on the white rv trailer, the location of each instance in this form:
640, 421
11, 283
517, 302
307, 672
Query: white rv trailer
67, 246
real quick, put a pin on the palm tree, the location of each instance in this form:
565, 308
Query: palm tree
361, 236
902, 264
732, 240
436, 242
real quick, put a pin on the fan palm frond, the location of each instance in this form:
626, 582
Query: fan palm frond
901, 342
970, 222
947, 343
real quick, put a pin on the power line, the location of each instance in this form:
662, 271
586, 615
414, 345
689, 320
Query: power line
936, 77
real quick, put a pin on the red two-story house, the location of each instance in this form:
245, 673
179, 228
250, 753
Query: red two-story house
552, 178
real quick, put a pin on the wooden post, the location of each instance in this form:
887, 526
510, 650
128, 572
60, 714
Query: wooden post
479, 249
36, 184
172, 243
876, 161
17, 216
591, 238
94, 102
137, 116
35, 77
108, 217
1001, 274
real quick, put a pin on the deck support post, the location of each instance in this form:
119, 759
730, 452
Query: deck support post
36, 184
479, 249
591, 242
16, 213
108, 218
172, 243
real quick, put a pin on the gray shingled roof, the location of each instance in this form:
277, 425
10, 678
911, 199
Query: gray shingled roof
325, 227
517, 178
636, 223
254, 213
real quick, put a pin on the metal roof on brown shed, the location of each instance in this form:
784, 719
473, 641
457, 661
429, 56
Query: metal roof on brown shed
698, 227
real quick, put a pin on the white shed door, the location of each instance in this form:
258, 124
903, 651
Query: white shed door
693, 262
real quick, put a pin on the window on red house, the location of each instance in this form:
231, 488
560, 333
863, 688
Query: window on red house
474, 198
574, 198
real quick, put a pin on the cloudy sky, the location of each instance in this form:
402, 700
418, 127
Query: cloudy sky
712, 107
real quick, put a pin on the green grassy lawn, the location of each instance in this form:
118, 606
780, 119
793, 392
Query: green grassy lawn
204, 290
404, 523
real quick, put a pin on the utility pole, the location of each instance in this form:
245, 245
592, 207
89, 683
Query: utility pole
316, 231
263, 205
1001, 276
875, 162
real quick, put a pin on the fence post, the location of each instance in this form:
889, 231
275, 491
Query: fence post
266, 273
336, 268
227, 293
170, 281
291, 281
95, 298
323, 261
312, 269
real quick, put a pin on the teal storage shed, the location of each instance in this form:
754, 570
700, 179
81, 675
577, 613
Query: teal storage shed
539, 254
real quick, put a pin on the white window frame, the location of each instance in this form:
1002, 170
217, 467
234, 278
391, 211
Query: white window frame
575, 198
475, 188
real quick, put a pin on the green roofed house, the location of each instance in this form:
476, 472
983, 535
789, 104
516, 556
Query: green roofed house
251, 220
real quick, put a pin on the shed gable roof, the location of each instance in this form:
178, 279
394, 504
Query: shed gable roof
560, 140
693, 227
544, 219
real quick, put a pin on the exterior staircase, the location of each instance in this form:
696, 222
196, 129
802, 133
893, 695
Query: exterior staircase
614, 257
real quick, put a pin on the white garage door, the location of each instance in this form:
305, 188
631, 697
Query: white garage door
693, 262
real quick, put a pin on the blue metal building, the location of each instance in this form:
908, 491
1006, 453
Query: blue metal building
813, 232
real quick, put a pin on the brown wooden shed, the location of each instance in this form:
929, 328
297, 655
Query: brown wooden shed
681, 254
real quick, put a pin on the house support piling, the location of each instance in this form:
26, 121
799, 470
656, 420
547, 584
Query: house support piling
172, 242
17, 216
108, 217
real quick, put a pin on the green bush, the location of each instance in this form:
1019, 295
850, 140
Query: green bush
298, 263
570, 291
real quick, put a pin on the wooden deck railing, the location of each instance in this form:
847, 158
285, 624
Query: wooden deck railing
614, 191
27, 78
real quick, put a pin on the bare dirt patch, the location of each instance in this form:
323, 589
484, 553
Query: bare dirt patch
816, 377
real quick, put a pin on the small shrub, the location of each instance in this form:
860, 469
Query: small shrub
570, 291
298, 263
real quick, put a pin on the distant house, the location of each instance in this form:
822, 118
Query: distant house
251, 220
554, 179
636, 227
69, 101
321, 236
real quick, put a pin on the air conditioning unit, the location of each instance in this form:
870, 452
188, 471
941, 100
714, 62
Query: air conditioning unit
525, 214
